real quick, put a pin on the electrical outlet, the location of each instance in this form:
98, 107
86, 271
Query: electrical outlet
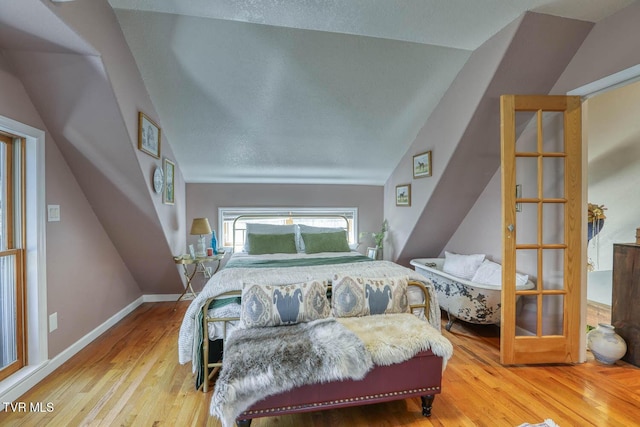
53, 213
53, 321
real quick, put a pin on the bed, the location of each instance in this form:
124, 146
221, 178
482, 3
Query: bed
225, 310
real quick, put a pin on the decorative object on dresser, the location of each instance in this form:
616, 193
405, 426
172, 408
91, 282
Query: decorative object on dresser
201, 227
149, 136
607, 346
169, 197
422, 165
625, 316
403, 195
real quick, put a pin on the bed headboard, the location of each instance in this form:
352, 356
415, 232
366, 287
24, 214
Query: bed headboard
239, 223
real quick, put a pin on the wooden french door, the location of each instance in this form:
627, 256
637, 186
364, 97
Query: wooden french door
541, 228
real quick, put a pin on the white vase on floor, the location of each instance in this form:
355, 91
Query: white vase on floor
607, 346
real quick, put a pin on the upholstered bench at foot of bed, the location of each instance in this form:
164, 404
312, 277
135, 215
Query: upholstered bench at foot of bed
419, 376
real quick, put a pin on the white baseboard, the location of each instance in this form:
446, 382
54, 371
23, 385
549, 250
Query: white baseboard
18, 384
160, 298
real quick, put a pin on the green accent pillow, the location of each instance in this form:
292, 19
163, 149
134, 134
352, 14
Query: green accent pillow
272, 244
325, 242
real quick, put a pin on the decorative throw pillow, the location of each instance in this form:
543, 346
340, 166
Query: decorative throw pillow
259, 228
309, 229
462, 266
353, 296
275, 305
325, 242
490, 273
271, 244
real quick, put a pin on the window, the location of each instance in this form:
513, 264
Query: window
12, 296
29, 239
317, 217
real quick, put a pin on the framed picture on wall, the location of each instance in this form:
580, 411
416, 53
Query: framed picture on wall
403, 195
149, 136
422, 165
169, 196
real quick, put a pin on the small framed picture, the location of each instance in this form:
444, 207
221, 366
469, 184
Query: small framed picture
192, 252
403, 195
169, 187
422, 165
372, 253
149, 136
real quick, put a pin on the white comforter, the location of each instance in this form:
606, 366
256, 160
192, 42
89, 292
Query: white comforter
233, 279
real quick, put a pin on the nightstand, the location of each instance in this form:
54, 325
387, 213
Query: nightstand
199, 264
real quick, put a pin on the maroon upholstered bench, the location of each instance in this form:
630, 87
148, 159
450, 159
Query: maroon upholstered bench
418, 376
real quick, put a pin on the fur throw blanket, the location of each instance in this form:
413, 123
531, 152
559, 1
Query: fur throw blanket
264, 361
394, 338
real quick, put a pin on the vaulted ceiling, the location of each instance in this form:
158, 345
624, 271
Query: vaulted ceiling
307, 91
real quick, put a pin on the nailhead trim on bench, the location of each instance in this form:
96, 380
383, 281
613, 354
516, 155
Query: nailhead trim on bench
334, 402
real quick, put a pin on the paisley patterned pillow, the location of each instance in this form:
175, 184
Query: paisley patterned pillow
361, 296
274, 305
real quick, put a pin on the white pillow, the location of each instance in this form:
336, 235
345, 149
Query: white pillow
490, 273
462, 266
258, 228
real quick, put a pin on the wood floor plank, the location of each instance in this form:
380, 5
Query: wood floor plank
130, 376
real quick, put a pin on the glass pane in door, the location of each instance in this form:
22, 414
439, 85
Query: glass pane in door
552, 223
553, 315
553, 132
553, 269
526, 132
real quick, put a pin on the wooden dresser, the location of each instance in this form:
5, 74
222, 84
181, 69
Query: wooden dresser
625, 304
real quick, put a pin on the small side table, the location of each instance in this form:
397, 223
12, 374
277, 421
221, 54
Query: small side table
199, 267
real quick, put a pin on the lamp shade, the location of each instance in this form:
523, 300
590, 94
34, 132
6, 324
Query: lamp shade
200, 226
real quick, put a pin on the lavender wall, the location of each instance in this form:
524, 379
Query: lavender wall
87, 281
613, 45
614, 170
94, 121
68, 66
463, 130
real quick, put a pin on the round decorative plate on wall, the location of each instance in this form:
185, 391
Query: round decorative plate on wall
158, 180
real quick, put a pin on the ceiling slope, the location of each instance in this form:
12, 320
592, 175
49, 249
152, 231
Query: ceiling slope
80, 97
301, 91
464, 131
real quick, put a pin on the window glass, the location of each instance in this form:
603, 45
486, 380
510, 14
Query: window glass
345, 218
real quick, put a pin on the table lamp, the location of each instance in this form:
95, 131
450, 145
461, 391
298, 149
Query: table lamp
200, 226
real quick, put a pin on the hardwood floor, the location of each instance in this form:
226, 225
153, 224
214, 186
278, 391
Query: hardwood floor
130, 377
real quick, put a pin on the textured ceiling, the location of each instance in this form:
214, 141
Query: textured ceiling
308, 91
